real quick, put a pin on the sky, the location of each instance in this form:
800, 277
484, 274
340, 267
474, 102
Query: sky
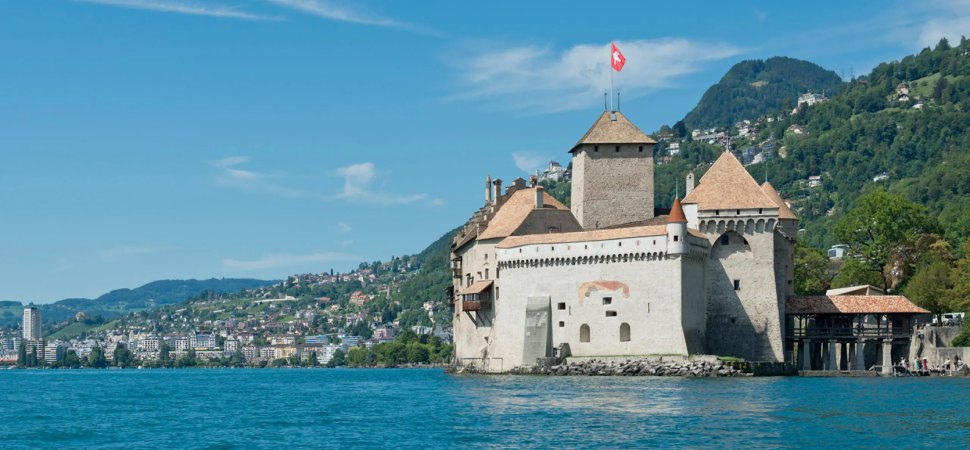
168, 139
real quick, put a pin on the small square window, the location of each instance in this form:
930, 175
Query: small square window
596, 148
561, 306
737, 285
607, 300
641, 149
676, 238
611, 314
618, 149
562, 324
725, 240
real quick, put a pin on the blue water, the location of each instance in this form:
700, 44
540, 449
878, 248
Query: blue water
426, 408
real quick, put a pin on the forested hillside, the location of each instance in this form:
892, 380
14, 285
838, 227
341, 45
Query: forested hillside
753, 88
867, 136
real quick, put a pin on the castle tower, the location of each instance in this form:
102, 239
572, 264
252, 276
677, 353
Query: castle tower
746, 298
676, 230
612, 174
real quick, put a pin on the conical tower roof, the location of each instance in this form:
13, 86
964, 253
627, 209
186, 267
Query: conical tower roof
727, 185
676, 213
784, 212
606, 130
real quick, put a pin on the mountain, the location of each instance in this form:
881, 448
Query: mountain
904, 127
122, 301
754, 88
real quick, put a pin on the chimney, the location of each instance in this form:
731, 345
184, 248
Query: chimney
497, 194
533, 181
690, 183
488, 190
539, 192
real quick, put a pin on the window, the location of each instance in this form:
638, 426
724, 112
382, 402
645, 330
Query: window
618, 149
611, 314
624, 332
486, 257
725, 240
496, 292
737, 285
561, 306
486, 274
676, 238
607, 300
562, 324
496, 272
717, 212
641, 149
584, 333
596, 148
759, 210
739, 212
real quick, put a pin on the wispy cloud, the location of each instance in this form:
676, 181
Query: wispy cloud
285, 260
358, 186
331, 11
529, 162
546, 80
760, 15
344, 227
183, 7
947, 19
125, 252
232, 175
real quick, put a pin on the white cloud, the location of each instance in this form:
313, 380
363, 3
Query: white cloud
345, 243
344, 227
328, 10
529, 162
949, 19
285, 260
760, 15
231, 175
183, 7
358, 180
124, 252
545, 80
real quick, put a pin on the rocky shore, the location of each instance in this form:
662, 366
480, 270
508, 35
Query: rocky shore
633, 367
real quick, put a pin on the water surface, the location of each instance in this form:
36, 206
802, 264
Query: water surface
267, 408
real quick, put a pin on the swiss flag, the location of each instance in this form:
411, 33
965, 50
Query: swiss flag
617, 60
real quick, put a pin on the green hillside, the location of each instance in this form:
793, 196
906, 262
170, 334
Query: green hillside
754, 88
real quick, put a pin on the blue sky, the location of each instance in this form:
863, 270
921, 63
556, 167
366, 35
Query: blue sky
156, 139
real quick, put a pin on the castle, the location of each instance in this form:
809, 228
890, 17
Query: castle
534, 279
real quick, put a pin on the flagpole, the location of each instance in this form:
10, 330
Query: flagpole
611, 77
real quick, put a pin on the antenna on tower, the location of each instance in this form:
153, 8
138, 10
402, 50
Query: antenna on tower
766, 171
605, 101
617, 99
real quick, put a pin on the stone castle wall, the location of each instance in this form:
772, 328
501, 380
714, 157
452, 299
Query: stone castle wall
612, 187
744, 322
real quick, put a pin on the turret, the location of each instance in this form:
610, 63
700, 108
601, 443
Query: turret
676, 230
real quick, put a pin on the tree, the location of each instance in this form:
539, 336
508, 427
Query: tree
879, 228
123, 357
357, 357
929, 288
96, 359
71, 360
812, 275
164, 354
338, 359
22, 354
313, 360
417, 353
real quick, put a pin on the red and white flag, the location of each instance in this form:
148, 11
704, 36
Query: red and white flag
617, 60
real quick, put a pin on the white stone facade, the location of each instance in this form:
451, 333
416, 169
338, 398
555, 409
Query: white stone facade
699, 281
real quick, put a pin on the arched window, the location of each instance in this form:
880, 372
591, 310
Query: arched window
584, 333
624, 332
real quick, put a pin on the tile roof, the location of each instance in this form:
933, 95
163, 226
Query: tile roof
477, 287
515, 210
727, 185
852, 304
676, 213
587, 236
784, 212
608, 131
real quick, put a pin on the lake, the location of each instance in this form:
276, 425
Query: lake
269, 408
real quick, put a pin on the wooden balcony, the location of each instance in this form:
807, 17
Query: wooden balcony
476, 305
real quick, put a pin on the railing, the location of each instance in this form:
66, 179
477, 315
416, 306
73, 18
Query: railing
849, 333
476, 305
